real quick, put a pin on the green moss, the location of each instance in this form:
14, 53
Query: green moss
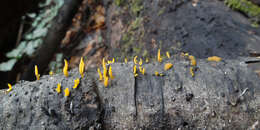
119, 2
245, 6
136, 6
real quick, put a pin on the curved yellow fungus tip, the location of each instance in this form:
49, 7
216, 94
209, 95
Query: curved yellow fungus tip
146, 60
76, 83
66, 92
159, 59
36, 72
192, 71
214, 58
126, 60
143, 71
65, 68
113, 61
81, 67
10, 87
58, 89
135, 60
192, 60
168, 55
168, 66
51, 73
156, 73
186, 54
106, 81
110, 73
100, 74
136, 75
141, 61
134, 69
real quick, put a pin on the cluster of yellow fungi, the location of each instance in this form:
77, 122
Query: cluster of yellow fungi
108, 74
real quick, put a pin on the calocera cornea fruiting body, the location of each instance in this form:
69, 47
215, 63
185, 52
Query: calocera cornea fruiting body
9, 88
156, 73
58, 89
65, 68
147, 60
134, 69
143, 71
135, 60
106, 81
159, 58
214, 58
192, 60
192, 71
66, 92
126, 60
104, 68
76, 83
51, 73
100, 74
140, 61
168, 54
37, 75
110, 72
168, 66
81, 67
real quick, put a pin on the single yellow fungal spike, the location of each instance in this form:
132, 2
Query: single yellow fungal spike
10, 87
104, 68
192, 60
110, 73
66, 92
143, 71
192, 71
36, 72
134, 69
76, 83
136, 75
168, 54
81, 67
100, 74
65, 68
140, 69
113, 61
159, 59
141, 61
156, 73
126, 60
51, 73
135, 60
146, 60
168, 66
186, 54
214, 58
58, 89
106, 81
104, 63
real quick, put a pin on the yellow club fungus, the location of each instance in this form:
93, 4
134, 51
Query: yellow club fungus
58, 89
110, 73
106, 81
136, 75
214, 58
141, 61
100, 74
192, 60
147, 60
104, 68
113, 61
36, 72
168, 55
161, 74
143, 71
135, 59
51, 73
140, 69
65, 68
156, 73
168, 66
76, 83
126, 60
134, 69
159, 59
186, 54
9, 88
81, 67
66, 92
192, 71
